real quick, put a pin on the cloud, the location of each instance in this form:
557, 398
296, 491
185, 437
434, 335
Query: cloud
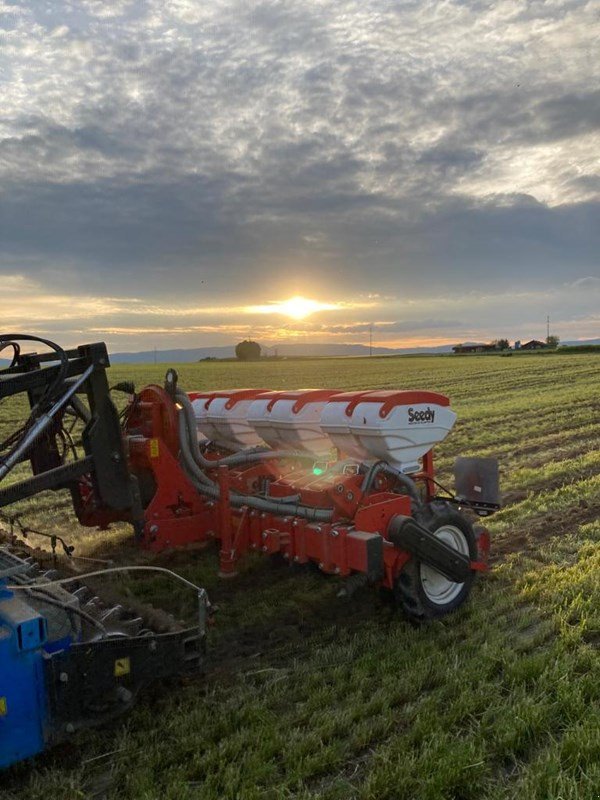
225, 154
130, 322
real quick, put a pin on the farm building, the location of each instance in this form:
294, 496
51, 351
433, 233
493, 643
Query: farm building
534, 344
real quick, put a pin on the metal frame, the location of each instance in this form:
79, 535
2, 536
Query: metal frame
113, 488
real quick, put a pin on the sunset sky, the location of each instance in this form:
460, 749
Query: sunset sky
180, 174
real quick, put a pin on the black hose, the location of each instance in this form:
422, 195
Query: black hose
16, 353
195, 462
370, 476
13, 338
237, 459
405, 480
207, 487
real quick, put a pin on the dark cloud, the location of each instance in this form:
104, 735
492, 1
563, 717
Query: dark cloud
334, 147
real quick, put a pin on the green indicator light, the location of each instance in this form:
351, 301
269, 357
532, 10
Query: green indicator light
318, 471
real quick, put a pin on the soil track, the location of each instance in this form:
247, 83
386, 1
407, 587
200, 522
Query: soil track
529, 538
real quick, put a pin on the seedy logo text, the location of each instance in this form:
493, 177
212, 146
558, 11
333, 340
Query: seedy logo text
421, 416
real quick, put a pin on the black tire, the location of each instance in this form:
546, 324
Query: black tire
420, 591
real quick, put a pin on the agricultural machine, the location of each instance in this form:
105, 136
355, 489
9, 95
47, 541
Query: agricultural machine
341, 480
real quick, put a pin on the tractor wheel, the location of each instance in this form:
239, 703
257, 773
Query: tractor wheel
422, 592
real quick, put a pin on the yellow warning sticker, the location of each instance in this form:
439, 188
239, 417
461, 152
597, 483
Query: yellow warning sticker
154, 451
122, 667
3, 707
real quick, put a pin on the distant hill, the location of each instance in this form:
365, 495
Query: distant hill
282, 350
583, 341
190, 355
179, 356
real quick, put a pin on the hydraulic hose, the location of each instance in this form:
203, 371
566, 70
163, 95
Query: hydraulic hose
405, 480
237, 459
195, 463
207, 487
16, 352
12, 339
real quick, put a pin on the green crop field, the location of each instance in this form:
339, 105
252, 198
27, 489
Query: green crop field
306, 695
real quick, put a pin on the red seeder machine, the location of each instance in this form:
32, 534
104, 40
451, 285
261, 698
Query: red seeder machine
344, 480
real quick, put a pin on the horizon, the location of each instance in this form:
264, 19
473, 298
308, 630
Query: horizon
274, 346
192, 175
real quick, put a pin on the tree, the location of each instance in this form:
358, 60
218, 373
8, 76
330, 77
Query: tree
501, 344
247, 350
552, 341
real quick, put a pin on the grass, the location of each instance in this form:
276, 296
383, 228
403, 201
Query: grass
307, 696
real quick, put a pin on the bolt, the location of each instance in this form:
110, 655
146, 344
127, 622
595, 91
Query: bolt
264, 534
264, 549
69, 727
152, 646
154, 529
337, 570
63, 677
335, 533
116, 457
350, 496
321, 565
296, 558
286, 556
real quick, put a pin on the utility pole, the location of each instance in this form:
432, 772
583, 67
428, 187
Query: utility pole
547, 327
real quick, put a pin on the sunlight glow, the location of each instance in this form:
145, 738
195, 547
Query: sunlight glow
295, 308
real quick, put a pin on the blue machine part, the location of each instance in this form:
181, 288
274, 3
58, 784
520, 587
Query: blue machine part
23, 705
58, 673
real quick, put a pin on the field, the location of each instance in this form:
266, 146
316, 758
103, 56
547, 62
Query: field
309, 696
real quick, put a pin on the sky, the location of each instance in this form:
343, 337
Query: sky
174, 172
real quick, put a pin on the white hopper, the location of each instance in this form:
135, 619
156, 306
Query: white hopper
199, 402
226, 418
400, 427
335, 422
291, 420
259, 419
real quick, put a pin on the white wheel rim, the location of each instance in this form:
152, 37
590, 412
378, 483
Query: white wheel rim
437, 587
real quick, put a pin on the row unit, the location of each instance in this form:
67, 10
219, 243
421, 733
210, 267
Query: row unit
395, 426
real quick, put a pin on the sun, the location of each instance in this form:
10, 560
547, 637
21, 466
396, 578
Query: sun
300, 307
296, 307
